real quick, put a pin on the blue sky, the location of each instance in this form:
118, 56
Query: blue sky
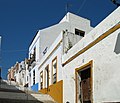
20, 20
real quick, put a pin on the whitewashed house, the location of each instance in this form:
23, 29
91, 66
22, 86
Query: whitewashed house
22, 74
50, 66
17, 73
91, 68
44, 40
86, 71
26, 77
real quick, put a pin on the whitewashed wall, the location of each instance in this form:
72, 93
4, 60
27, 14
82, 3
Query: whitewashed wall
48, 60
46, 37
106, 63
36, 76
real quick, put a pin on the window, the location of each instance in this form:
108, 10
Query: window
41, 79
47, 76
22, 75
45, 51
33, 56
33, 77
79, 32
54, 69
34, 53
27, 78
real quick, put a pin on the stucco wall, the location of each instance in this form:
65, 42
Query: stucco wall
46, 37
36, 76
106, 63
57, 53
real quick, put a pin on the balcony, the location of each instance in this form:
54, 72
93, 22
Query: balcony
70, 39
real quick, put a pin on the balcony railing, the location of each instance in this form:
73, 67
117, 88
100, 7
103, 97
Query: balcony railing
69, 40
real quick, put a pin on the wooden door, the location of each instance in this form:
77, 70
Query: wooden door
84, 85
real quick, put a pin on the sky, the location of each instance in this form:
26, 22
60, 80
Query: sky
21, 19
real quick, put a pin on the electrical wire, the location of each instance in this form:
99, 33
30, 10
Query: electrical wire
81, 6
22, 50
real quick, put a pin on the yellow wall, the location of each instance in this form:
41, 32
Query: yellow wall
55, 91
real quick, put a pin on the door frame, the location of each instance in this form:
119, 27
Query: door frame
47, 76
90, 64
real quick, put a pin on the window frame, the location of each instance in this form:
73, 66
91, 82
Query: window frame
41, 78
33, 77
81, 32
55, 59
47, 83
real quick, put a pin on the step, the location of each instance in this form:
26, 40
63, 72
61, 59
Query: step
42, 96
19, 101
22, 96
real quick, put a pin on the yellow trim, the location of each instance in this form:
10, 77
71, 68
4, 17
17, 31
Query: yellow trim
55, 91
91, 80
107, 33
44, 91
56, 68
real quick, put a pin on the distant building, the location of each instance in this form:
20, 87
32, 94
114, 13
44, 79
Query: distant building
22, 75
11, 73
17, 73
26, 76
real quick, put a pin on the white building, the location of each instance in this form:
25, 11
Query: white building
44, 39
26, 77
91, 67
22, 74
85, 72
17, 73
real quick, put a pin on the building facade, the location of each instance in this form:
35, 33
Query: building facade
87, 71
45, 38
11, 73
91, 67
17, 73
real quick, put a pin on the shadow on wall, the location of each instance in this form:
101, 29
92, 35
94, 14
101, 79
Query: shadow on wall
117, 46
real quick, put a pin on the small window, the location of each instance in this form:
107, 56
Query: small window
27, 78
54, 68
34, 52
47, 76
41, 79
79, 32
22, 75
45, 51
33, 77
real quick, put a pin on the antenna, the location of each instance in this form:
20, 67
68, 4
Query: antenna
66, 8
